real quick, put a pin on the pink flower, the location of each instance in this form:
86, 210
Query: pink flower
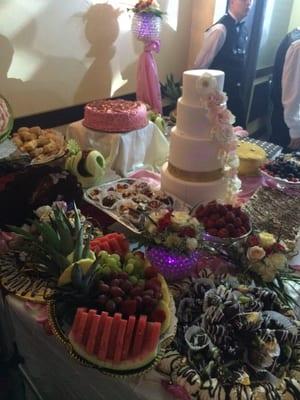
255, 253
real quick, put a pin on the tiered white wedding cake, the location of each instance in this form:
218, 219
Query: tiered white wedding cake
202, 162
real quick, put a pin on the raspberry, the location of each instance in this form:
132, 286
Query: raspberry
215, 216
252, 241
222, 209
231, 229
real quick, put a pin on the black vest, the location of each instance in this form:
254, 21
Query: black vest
280, 131
232, 55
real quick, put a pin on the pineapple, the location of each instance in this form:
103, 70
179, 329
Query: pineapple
59, 246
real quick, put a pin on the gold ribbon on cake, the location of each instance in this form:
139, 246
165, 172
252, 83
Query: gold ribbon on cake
203, 176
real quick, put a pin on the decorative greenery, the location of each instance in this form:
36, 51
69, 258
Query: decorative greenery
171, 89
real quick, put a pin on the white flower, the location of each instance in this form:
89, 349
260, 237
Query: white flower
206, 84
223, 133
233, 160
44, 213
255, 253
191, 243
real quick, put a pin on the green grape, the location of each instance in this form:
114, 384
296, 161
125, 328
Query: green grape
129, 268
141, 282
133, 279
115, 257
106, 270
112, 262
138, 263
128, 256
103, 254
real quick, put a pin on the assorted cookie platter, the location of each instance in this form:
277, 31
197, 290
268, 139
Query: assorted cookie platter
130, 201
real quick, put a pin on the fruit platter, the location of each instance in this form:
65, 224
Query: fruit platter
114, 313
129, 201
283, 171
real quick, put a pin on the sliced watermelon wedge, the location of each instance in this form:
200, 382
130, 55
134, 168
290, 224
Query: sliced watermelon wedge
103, 350
138, 338
120, 340
113, 336
93, 335
128, 337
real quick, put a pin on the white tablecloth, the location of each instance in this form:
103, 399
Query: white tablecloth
125, 152
58, 377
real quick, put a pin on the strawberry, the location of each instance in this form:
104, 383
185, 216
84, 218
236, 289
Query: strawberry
222, 209
213, 231
221, 223
231, 229
215, 216
238, 222
210, 224
229, 217
223, 233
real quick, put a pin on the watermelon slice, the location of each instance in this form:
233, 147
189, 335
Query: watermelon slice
103, 350
128, 337
91, 341
113, 336
151, 337
81, 327
87, 329
112, 243
120, 340
113, 342
77, 320
101, 326
139, 333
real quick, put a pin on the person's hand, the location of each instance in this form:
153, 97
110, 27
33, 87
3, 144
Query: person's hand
294, 144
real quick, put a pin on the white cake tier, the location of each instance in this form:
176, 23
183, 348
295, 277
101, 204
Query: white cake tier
191, 92
193, 192
194, 154
192, 120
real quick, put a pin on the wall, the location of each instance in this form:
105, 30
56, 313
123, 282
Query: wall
295, 17
202, 17
56, 54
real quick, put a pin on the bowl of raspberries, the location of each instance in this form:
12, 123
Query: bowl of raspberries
284, 170
223, 223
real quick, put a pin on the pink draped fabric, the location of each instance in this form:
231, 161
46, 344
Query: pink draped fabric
148, 87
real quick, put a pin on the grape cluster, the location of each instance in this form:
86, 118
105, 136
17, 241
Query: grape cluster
131, 290
284, 169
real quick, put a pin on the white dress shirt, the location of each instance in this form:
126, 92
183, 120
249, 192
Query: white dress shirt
214, 39
291, 89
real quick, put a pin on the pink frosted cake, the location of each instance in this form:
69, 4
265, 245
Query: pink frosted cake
115, 115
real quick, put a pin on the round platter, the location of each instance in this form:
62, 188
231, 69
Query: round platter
61, 332
20, 280
280, 182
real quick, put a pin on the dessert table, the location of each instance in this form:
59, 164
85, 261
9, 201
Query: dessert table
124, 152
57, 376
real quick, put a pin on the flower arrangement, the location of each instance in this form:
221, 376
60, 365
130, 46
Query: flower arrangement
174, 238
214, 101
147, 6
264, 260
174, 230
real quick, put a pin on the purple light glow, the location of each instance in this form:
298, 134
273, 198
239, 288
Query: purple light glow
173, 265
146, 26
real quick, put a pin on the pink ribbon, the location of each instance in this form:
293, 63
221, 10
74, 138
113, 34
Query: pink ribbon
148, 86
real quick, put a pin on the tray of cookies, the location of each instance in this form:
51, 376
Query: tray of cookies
42, 145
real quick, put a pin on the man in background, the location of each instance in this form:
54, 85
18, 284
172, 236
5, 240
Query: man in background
224, 48
286, 93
